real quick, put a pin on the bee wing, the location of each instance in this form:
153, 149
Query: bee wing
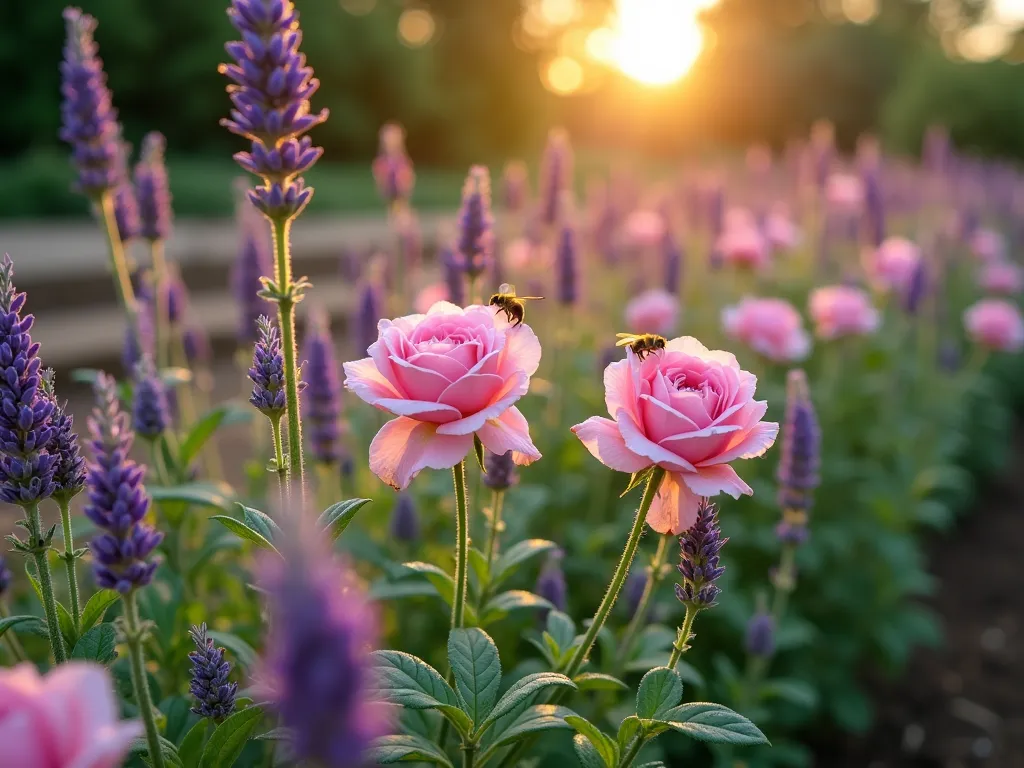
625, 342
507, 288
529, 298
626, 336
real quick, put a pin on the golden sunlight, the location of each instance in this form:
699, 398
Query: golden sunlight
657, 41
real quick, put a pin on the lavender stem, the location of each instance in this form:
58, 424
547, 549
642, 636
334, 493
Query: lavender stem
38, 547
118, 265
134, 637
69, 558
286, 321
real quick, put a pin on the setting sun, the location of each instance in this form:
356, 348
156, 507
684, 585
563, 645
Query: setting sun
657, 41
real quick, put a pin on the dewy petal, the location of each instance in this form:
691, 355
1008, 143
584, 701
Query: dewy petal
363, 378
404, 447
711, 481
674, 508
638, 443
514, 389
602, 438
436, 413
760, 438
471, 394
509, 432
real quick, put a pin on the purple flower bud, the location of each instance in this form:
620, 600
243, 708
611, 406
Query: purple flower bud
515, 182
699, 562
874, 208
267, 371
152, 189
760, 638
5, 576
126, 209
321, 407
551, 581
150, 414
69, 470
131, 353
392, 168
405, 519
917, 288
501, 471
801, 448
633, 589
368, 313
673, 262
476, 224
555, 175
214, 695
567, 267
453, 276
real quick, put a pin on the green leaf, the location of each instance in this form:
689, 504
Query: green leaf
12, 621
474, 660
518, 554
793, 691
630, 728
406, 748
637, 479
228, 740
478, 562
561, 628
539, 717
602, 743
260, 522
243, 531
191, 748
277, 734
97, 645
96, 608
409, 682
205, 428
170, 753
478, 450
499, 606
659, 691
520, 691
218, 495
337, 517
595, 681
244, 653
587, 753
67, 625
442, 582
713, 723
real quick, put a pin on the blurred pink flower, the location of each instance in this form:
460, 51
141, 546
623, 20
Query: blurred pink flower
891, 266
1001, 277
738, 217
688, 410
781, 231
988, 245
841, 310
845, 192
743, 246
644, 228
996, 324
521, 253
67, 719
429, 296
653, 311
771, 327
447, 374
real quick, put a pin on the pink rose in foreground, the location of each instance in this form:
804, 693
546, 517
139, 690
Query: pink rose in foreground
688, 410
743, 246
1001, 277
841, 310
891, 266
988, 245
448, 374
429, 296
67, 719
771, 327
654, 311
996, 324
644, 228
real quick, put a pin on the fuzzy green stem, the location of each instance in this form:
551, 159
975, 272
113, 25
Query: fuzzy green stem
118, 265
282, 469
38, 547
461, 546
468, 755
630, 754
681, 645
640, 615
161, 339
286, 322
69, 558
134, 637
497, 504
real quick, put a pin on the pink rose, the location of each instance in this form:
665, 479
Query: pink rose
447, 375
743, 246
688, 410
644, 228
988, 245
771, 327
840, 310
67, 719
1001, 277
429, 296
654, 311
891, 266
996, 324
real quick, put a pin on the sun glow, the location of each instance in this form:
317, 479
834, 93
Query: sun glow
657, 41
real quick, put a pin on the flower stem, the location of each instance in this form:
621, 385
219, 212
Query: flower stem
468, 755
461, 546
681, 645
631, 753
38, 547
784, 583
118, 265
492, 538
69, 558
282, 470
640, 615
17, 651
134, 636
161, 340
286, 321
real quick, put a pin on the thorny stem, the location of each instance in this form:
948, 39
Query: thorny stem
134, 637
69, 558
681, 645
640, 615
286, 321
461, 546
282, 469
118, 265
38, 548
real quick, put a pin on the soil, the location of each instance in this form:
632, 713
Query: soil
961, 705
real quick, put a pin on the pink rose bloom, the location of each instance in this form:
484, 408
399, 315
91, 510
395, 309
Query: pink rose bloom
1001, 277
67, 719
781, 232
891, 266
988, 245
448, 374
654, 311
429, 296
996, 324
771, 327
841, 310
743, 246
644, 228
738, 218
845, 192
688, 410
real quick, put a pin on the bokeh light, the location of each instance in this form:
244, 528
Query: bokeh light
358, 7
657, 41
600, 45
416, 27
562, 75
984, 42
860, 11
558, 13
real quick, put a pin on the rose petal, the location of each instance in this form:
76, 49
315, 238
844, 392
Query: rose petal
660, 420
602, 438
363, 378
638, 443
108, 746
760, 438
404, 446
522, 349
513, 389
447, 366
674, 508
472, 393
446, 308
509, 432
710, 481
435, 413
619, 391
700, 445
419, 383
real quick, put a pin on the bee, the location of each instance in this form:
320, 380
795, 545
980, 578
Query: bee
506, 301
642, 344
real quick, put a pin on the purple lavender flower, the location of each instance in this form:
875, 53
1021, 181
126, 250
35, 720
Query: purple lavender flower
917, 288
270, 94
760, 636
555, 175
452, 275
252, 263
267, 371
26, 467
633, 589
126, 209
715, 210
392, 169
801, 457
150, 414
699, 563
501, 471
874, 208
176, 299
368, 313
89, 120
317, 672
405, 519
672, 262
117, 500
153, 190
131, 353
551, 581
214, 695
5, 576
321, 407
476, 224
515, 182
567, 266
69, 470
